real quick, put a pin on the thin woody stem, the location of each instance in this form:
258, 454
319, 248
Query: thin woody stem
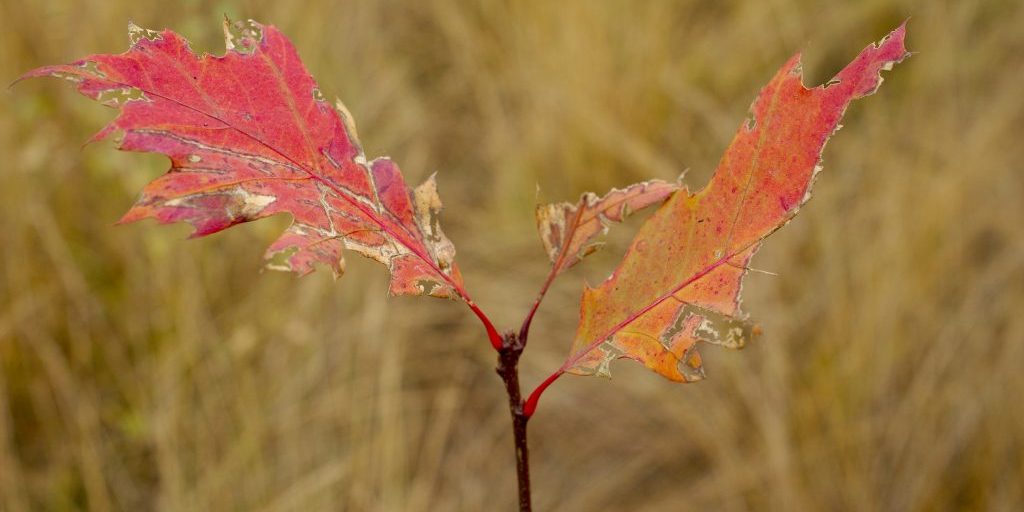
508, 370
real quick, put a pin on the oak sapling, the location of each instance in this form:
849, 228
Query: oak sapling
250, 134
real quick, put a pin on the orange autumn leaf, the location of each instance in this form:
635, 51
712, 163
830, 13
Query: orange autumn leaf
679, 283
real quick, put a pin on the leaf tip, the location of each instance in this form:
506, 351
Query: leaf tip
34, 73
56, 71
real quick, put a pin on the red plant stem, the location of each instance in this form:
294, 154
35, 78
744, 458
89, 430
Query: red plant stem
524, 331
492, 333
508, 370
531, 402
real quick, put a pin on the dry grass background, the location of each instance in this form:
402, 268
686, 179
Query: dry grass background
138, 372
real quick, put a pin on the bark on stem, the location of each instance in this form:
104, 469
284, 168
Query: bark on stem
508, 370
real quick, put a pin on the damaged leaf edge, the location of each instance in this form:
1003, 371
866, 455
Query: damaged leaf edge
544, 213
749, 123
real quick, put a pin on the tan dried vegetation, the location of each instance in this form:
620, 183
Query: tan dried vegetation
140, 372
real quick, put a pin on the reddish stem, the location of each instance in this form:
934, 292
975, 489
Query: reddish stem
524, 331
508, 370
492, 333
531, 402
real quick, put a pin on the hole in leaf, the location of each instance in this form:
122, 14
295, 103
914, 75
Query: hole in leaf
93, 69
280, 260
119, 96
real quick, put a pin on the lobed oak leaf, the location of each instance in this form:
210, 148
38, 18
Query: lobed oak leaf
568, 230
249, 135
679, 282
